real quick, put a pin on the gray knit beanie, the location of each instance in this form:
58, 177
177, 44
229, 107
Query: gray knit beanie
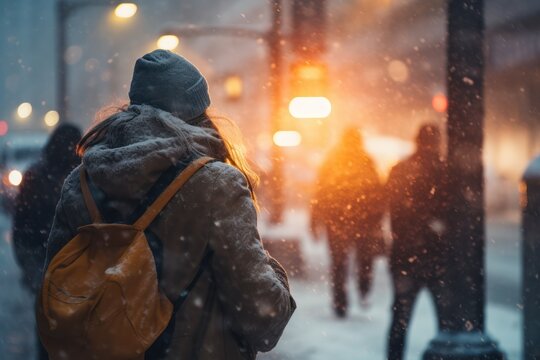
169, 82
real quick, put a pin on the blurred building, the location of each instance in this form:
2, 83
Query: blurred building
386, 59
399, 66
102, 49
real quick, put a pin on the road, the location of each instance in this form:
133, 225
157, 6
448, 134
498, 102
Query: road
312, 340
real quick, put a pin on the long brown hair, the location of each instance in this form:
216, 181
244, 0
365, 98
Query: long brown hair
227, 131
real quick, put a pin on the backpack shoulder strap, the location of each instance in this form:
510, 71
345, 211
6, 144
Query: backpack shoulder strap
88, 199
157, 206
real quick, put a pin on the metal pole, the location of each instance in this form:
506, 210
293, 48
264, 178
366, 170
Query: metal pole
465, 167
276, 60
61, 74
531, 261
463, 336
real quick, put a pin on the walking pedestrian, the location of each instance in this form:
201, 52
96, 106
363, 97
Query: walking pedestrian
35, 204
417, 203
160, 171
347, 205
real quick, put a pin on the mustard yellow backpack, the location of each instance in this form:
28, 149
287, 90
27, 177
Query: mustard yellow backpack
100, 297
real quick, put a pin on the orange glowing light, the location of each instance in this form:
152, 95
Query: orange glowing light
310, 72
312, 107
234, 87
440, 103
287, 138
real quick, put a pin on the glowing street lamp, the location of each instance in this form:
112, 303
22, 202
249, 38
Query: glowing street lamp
310, 107
125, 10
24, 110
51, 118
168, 42
287, 138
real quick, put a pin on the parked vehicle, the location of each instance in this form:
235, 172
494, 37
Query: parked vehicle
17, 152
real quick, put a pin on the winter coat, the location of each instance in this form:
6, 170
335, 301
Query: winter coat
35, 204
347, 199
253, 303
417, 204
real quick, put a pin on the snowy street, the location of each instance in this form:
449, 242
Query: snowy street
313, 332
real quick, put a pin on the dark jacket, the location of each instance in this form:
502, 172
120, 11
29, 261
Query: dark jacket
348, 193
36, 202
417, 205
214, 207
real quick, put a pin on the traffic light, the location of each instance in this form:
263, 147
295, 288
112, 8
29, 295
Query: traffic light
309, 27
309, 91
309, 105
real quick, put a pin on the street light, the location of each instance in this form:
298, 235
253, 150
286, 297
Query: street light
310, 107
24, 110
287, 138
168, 42
51, 118
64, 9
125, 10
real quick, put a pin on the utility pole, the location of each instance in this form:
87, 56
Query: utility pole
463, 336
276, 63
61, 18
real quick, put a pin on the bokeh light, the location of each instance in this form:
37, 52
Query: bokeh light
125, 10
4, 127
287, 138
439, 103
15, 177
51, 118
317, 107
168, 42
24, 110
398, 71
234, 87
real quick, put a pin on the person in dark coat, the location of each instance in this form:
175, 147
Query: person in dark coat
36, 202
347, 205
417, 203
241, 302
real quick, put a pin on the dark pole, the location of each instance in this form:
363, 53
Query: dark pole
61, 91
463, 336
275, 58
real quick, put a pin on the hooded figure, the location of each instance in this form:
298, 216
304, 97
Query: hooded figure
347, 204
417, 211
38, 195
36, 202
166, 125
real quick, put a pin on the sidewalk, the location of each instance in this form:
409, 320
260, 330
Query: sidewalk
315, 334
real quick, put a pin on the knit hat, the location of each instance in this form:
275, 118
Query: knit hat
169, 82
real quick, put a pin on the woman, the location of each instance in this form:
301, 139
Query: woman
166, 125
347, 204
